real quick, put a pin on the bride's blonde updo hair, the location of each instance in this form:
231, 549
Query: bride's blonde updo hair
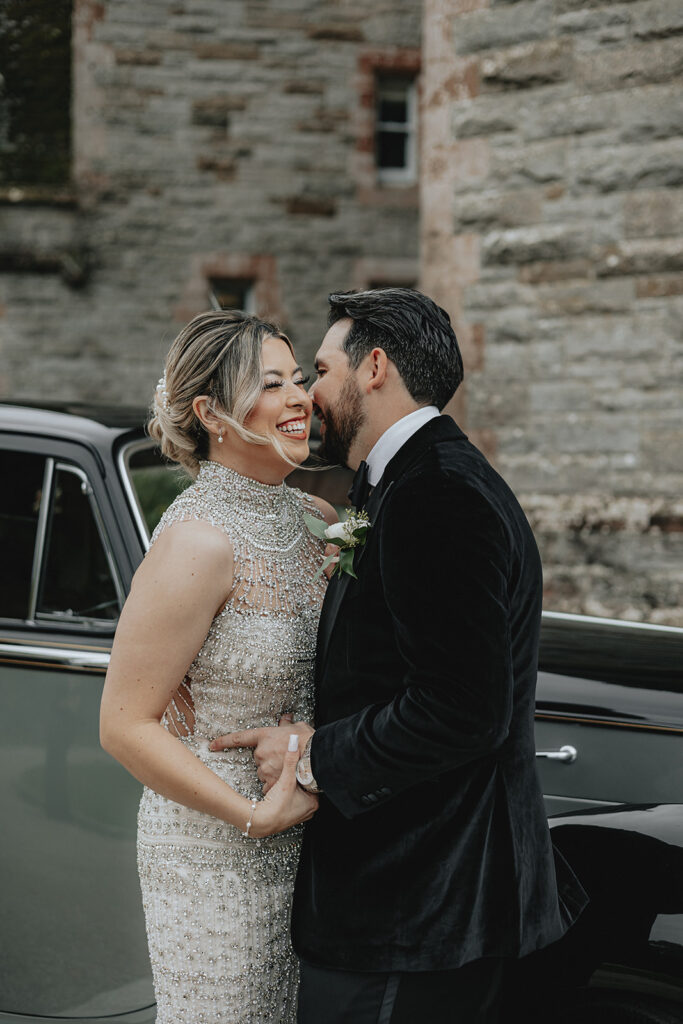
217, 354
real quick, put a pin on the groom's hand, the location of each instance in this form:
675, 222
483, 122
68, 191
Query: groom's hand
269, 744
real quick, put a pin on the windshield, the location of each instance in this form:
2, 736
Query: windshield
153, 482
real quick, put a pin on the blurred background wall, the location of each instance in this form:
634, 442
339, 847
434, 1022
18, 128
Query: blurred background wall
521, 162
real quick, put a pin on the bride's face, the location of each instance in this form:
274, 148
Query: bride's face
284, 407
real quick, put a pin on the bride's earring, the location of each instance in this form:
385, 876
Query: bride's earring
220, 436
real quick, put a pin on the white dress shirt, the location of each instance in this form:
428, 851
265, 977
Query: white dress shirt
394, 438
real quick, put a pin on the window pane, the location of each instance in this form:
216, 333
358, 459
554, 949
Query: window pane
76, 579
21, 483
155, 482
391, 149
393, 108
231, 293
35, 99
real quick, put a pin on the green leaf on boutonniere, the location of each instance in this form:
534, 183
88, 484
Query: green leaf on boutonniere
346, 562
316, 526
347, 535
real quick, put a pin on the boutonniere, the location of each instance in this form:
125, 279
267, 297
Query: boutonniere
349, 534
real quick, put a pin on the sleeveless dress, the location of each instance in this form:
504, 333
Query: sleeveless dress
217, 905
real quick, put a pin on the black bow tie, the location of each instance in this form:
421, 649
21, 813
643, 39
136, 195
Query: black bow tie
360, 488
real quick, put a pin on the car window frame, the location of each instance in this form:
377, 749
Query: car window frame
89, 466
123, 457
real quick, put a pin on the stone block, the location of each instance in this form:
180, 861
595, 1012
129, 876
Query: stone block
223, 167
311, 206
513, 326
494, 295
558, 397
304, 86
657, 19
518, 166
337, 32
612, 340
479, 211
653, 214
531, 244
659, 287
649, 114
649, 256
662, 449
625, 67
226, 51
214, 110
579, 298
484, 115
548, 271
492, 29
572, 432
528, 66
628, 167
559, 112
141, 56
494, 403
606, 24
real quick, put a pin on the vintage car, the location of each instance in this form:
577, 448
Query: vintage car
82, 489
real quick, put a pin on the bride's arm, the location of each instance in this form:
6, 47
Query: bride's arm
182, 583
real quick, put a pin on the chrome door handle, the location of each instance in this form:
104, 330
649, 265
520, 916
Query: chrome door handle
566, 754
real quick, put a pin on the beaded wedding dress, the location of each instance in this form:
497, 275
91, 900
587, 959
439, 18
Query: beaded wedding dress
217, 905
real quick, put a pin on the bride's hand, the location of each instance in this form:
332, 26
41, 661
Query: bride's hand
286, 803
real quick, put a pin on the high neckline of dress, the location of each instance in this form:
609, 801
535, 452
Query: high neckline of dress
237, 483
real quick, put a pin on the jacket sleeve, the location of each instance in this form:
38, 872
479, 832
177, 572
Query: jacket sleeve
445, 562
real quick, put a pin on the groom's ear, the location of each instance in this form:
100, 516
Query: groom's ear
377, 365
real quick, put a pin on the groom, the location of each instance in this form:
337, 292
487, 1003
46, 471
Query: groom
429, 862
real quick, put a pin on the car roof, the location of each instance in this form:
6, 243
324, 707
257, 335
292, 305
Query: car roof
93, 423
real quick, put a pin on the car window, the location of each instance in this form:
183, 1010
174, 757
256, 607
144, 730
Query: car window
76, 580
21, 484
154, 481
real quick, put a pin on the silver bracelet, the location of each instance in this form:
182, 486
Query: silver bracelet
251, 818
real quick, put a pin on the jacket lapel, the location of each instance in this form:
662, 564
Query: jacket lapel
436, 429
338, 585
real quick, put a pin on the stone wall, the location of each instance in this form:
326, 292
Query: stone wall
236, 139
208, 139
551, 195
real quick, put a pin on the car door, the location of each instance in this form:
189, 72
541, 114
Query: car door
609, 713
72, 927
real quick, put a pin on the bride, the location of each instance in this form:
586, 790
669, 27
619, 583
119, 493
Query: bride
218, 634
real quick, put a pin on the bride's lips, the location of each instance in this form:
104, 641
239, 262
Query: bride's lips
296, 428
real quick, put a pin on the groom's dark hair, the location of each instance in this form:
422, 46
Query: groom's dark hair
415, 333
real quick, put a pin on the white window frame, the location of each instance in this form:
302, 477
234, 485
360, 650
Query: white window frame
399, 86
249, 300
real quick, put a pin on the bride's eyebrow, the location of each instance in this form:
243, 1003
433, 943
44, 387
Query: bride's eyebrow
279, 373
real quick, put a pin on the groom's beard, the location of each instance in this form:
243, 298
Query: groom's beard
342, 423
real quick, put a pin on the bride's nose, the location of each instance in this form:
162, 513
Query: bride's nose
297, 397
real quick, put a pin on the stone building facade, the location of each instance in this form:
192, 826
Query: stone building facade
552, 228
210, 142
231, 147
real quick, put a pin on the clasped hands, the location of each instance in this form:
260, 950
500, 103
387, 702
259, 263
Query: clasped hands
288, 804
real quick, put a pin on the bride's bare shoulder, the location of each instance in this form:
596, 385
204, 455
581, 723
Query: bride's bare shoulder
328, 512
192, 541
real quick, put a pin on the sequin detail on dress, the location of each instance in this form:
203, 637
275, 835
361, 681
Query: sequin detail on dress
217, 905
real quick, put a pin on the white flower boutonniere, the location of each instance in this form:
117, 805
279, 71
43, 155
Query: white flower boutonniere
348, 535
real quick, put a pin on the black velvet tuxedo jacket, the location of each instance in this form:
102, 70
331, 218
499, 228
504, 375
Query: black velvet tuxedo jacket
430, 847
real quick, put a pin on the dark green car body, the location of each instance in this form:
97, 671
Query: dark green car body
81, 490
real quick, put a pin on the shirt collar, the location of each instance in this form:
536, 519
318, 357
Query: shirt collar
394, 438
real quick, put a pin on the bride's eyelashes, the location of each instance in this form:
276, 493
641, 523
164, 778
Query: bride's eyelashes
281, 383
